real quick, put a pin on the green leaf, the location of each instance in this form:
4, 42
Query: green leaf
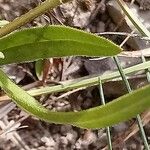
59, 41
112, 113
53, 41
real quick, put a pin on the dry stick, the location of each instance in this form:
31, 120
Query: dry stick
59, 21
133, 129
124, 34
14, 137
68, 93
127, 38
13, 126
145, 52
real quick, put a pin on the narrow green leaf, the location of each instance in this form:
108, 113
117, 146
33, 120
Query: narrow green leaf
53, 41
114, 112
86, 81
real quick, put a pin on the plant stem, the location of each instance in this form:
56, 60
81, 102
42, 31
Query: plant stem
33, 13
128, 87
103, 103
144, 32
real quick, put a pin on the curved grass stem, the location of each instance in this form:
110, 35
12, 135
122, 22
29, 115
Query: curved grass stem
29, 16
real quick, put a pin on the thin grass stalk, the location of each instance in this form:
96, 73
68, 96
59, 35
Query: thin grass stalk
128, 87
84, 82
103, 103
144, 32
138, 25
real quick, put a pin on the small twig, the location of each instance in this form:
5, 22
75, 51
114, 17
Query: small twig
145, 52
126, 39
57, 19
124, 34
68, 93
14, 126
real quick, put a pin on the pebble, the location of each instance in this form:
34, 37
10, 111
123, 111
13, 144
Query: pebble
49, 141
72, 137
63, 140
65, 128
87, 103
120, 127
100, 27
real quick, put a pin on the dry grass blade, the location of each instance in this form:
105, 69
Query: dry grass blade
133, 129
6, 108
6, 133
145, 52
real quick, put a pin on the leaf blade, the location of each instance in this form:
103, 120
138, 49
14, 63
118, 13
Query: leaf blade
53, 41
93, 118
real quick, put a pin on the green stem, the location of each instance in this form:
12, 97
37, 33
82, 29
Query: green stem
128, 87
85, 81
33, 13
142, 29
103, 103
